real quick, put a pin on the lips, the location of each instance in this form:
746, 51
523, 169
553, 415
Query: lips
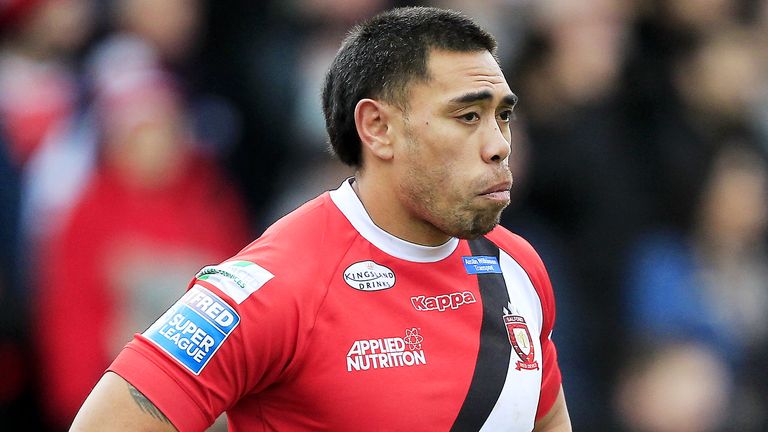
498, 192
500, 187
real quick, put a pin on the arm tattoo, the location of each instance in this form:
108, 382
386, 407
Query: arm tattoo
146, 405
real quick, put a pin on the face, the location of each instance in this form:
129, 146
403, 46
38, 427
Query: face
452, 157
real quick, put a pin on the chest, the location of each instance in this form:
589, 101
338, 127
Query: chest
428, 345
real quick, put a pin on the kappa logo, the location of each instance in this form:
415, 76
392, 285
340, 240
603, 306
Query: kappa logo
388, 352
369, 276
443, 301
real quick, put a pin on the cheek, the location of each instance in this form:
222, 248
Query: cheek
436, 133
434, 166
438, 151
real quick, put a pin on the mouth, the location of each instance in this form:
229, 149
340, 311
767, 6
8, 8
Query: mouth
498, 192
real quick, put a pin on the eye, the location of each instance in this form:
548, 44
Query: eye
470, 117
506, 116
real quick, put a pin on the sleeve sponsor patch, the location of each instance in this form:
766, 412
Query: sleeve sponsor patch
481, 264
237, 279
194, 328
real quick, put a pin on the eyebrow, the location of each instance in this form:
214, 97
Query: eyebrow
510, 99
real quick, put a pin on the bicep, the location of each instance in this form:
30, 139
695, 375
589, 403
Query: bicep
557, 419
115, 405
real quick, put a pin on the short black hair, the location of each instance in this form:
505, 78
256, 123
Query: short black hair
381, 57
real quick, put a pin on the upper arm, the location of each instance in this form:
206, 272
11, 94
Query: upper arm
557, 419
115, 405
218, 343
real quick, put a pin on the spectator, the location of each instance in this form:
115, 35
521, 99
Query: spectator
706, 288
673, 386
155, 210
39, 93
17, 389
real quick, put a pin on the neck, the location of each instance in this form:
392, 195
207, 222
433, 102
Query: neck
386, 209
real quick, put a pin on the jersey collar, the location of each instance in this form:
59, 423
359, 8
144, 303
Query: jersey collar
350, 205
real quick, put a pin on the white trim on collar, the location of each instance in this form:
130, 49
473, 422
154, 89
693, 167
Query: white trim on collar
350, 205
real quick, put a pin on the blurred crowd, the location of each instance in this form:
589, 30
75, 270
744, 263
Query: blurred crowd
143, 139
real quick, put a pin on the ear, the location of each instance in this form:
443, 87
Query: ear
372, 119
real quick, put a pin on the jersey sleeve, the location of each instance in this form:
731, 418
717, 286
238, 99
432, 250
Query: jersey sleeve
234, 332
525, 254
551, 377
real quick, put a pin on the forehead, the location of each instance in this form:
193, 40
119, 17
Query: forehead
453, 74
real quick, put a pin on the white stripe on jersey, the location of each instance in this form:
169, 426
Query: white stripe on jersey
512, 407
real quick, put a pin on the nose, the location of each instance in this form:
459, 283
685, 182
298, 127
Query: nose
497, 147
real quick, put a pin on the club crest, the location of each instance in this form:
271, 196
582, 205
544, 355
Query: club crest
521, 341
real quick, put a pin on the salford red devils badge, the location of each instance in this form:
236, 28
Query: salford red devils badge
521, 341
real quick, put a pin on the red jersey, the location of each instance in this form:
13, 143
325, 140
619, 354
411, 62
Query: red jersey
327, 322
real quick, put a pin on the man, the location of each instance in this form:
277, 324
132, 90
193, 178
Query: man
394, 302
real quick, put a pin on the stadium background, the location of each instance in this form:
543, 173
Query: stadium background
143, 139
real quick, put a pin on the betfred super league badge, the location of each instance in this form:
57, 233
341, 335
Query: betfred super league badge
521, 341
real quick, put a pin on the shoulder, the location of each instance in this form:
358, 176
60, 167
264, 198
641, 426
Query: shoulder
294, 256
316, 230
517, 248
524, 254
